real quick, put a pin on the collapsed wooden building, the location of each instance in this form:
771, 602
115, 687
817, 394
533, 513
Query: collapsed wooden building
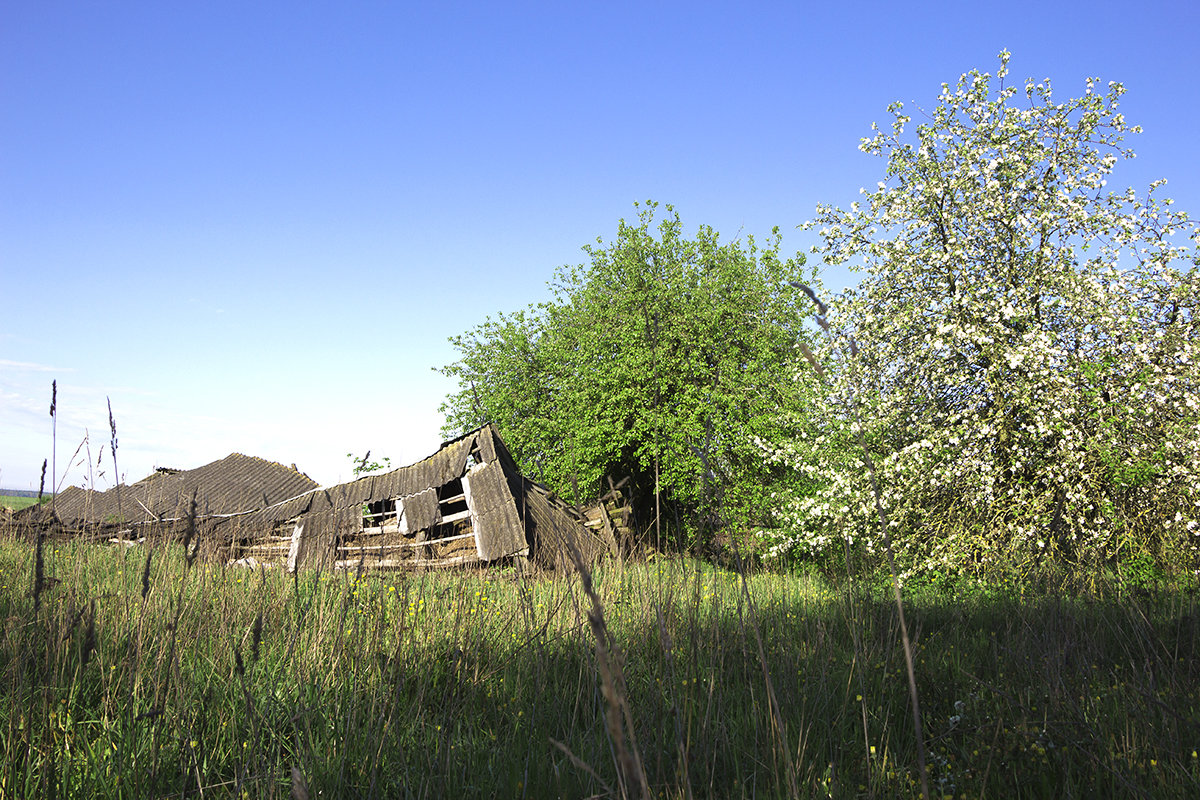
213, 499
467, 503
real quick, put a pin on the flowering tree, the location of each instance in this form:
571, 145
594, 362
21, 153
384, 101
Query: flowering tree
1025, 370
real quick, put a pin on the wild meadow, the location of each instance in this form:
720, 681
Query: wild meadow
1005, 407
134, 673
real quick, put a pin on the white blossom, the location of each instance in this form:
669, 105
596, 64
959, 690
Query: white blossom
1027, 371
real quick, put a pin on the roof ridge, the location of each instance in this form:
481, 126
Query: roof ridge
292, 467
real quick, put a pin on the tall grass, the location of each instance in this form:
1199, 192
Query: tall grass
144, 674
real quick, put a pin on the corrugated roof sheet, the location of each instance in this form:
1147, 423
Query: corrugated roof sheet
555, 530
421, 510
233, 485
498, 528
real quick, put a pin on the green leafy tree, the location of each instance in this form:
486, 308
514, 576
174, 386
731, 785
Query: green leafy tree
363, 465
1026, 344
662, 359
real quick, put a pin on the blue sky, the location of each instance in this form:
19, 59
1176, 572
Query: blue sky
254, 225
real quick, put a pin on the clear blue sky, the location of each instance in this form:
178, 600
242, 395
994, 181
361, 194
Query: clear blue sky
254, 225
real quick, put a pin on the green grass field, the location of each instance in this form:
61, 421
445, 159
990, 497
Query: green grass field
17, 503
137, 676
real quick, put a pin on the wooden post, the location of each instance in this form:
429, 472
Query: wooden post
613, 548
294, 550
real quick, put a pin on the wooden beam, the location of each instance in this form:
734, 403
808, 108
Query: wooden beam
399, 545
381, 529
352, 563
610, 535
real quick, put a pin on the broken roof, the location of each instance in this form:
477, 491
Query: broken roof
511, 514
236, 484
248, 497
448, 463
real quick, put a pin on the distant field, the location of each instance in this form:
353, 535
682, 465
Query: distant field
17, 503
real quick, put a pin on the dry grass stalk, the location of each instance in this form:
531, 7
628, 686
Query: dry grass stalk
89, 637
669, 660
53, 441
190, 556
112, 425
778, 729
146, 572
618, 717
256, 636
579, 763
299, 787
39, 572
190, 546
